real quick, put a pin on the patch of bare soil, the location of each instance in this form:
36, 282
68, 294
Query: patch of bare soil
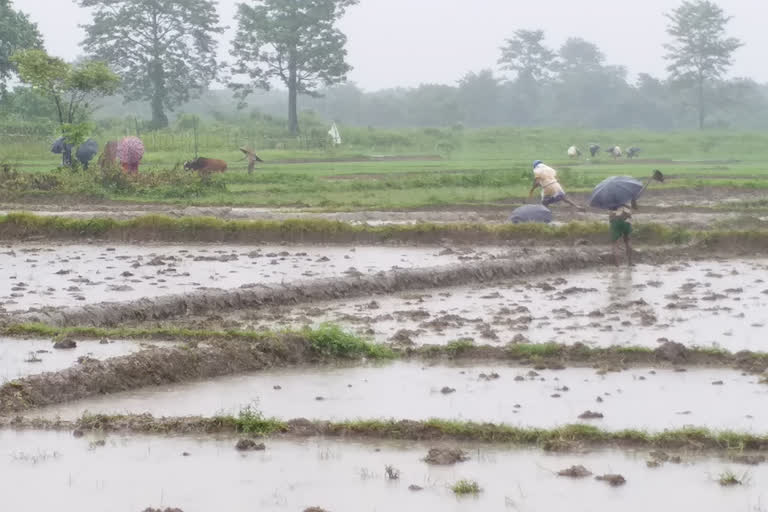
167, 509
445, 456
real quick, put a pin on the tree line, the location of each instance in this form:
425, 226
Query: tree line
163, 53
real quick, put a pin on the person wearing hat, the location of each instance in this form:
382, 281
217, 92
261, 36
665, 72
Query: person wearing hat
551, 191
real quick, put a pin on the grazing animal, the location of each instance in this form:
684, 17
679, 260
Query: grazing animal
593, 149
574, 152
615, 152
633, 152
205, 165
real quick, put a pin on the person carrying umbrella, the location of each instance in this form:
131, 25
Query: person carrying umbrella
618, 195
620, 220
552, 192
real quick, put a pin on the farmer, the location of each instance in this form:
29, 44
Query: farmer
620, 220
551, 192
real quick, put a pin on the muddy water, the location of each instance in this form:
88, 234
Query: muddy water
128, 474
19, 358
713, 303
636, 398
37, 276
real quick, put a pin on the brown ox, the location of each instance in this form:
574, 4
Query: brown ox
206, 165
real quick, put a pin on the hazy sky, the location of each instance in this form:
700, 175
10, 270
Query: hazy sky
408, 42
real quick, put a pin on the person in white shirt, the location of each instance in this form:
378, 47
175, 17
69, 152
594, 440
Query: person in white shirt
551, 191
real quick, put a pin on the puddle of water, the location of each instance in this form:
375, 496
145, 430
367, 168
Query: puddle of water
723, 304
128, 474
19, 358
39, 276
631, 399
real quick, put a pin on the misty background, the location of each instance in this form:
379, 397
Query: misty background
435, 63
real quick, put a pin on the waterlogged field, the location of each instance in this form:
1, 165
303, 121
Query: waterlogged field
370, 335
720, 304
42, 275
126, 473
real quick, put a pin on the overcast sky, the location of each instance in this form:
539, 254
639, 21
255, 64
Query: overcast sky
409, 42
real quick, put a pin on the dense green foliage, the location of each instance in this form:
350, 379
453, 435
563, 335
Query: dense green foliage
164, 51
295, 42
701, 52
16, 33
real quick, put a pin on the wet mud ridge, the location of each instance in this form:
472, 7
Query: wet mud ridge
149, 368
304, 291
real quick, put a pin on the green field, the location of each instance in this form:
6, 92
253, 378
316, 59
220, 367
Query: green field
470, 167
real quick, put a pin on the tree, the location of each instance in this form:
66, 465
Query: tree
526, 55
16, 33
72, 89
479, 95
295, 42
164, 50
700, 52
579, 56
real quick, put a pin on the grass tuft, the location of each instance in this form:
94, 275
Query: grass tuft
466, 487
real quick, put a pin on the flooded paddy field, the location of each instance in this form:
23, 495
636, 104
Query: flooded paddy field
129, 473
19, 358
643, 398
720, 303
37, 276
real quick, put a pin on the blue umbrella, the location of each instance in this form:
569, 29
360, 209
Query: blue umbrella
616, 191
86, 151
59, 146
532, 213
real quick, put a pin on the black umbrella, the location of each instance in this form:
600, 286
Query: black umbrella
617, 191
532, 213
86, 151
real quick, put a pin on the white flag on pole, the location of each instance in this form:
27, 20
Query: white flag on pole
334, 133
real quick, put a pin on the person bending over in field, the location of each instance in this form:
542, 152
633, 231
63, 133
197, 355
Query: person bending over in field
620, 220
551, 192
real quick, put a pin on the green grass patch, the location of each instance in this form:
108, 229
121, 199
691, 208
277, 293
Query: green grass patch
465, 487
331, 341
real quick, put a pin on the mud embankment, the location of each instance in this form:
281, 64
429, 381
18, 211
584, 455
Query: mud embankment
567, 438
150, 368
302, 291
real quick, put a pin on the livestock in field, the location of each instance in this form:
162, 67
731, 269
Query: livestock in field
633, 152
593, 149
615, 152
205, 165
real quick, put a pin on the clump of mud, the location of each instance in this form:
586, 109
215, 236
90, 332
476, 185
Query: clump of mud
591, 415
613, 480
65, 344
168, 509
315, 509
672, 352
445, 456
249, 445
575, 472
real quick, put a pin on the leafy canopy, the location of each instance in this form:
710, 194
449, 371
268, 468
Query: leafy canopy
72, 89
527, 56
164, 50
16, 33
700, 50
295, 42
